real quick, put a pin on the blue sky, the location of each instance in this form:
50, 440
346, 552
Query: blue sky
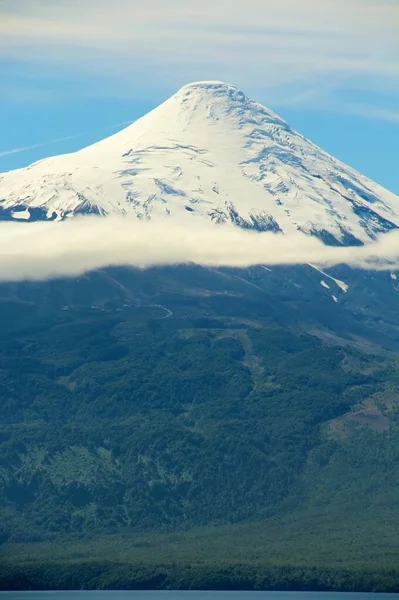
82, 67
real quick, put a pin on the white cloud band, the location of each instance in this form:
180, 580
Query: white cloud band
69, 248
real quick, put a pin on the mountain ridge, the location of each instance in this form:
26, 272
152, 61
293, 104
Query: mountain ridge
208, 152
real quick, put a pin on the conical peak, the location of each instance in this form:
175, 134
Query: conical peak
212, 152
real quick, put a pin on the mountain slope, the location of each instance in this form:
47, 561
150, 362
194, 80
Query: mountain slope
140, 404
211, 152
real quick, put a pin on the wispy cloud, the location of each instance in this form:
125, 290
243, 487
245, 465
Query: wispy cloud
69, 248
41, 145
375, 112
60, 139
257, 42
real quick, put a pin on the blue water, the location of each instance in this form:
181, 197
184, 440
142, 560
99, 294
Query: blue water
193, 596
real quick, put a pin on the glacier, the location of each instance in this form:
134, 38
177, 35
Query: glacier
208, 152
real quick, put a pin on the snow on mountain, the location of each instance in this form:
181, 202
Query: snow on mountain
209, 152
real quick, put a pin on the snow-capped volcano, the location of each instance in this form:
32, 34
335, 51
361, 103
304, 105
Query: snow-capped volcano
208, 152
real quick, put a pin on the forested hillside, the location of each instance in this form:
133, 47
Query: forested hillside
196, 429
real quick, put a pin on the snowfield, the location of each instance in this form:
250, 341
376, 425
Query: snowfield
208, 152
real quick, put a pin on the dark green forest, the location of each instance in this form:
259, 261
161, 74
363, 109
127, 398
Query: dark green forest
192, 444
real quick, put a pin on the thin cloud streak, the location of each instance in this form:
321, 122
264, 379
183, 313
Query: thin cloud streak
375, 112
40, 145
70, 248
61, 139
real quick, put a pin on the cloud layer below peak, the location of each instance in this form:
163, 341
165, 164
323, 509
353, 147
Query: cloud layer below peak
70, 248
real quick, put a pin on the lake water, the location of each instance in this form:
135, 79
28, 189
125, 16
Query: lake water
170, 595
